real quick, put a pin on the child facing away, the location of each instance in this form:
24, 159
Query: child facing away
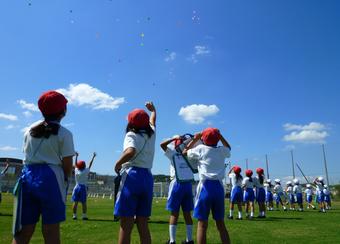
210, 192
297, 190
180, 188
290, 193
260, 192
236, 191
309, 196
269, 194
327, 197
320, 196
279, 195
79, 193
248, 194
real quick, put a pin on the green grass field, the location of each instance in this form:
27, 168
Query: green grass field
279, 227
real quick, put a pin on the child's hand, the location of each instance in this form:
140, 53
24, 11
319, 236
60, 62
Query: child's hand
150, 106
198, 135
118, 167
94, 154
77, 154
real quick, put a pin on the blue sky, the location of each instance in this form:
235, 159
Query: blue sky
266, 73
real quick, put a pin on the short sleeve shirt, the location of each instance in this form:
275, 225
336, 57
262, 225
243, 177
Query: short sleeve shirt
81, 176
247, 183
172, 155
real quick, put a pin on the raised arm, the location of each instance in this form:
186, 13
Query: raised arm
197, 137
152, 109
125, 157
224, 142
164, 144
76, 159
91, 162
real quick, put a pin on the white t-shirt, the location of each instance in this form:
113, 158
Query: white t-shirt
144, 158
326, 192
210, 161
289, 190
278, 188
297, 189
267, 187
82, 176
48, 150
257, 183
308, 192
247, 183
172, 155
234, 181
319, 186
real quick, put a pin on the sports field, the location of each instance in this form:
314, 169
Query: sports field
279, 227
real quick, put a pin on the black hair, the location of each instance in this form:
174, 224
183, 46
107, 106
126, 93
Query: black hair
148, 130
238, 177
261, 178
250, 178
47, 127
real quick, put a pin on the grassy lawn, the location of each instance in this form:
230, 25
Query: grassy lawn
279, 227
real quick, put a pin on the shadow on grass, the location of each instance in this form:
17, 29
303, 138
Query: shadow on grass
101, 220
6, 215
162, 222
272, 219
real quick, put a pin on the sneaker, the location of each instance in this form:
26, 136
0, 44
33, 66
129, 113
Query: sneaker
168, 242
188, 242
230, 217
74, 217
116, 218
238, 218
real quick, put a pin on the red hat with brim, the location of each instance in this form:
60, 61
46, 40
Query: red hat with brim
249, 172
52, 102
138, 119
237, 169
210, 136
260, 171
81, 164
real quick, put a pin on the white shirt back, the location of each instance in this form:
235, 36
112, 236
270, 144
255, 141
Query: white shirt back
247, 183
48, 150
82, 176
309, 192
297, 189
289, 190
234, 181
326, 192
257, 182
210, 161
172, 155
144, 146
319, 186
267, 187
278, 188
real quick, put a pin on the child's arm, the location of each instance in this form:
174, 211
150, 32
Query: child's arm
76, 160
91, 162
126, 156
224, 142
197, 137
152, 109
6, 168
164, 144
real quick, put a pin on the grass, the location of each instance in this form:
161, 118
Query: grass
279, 227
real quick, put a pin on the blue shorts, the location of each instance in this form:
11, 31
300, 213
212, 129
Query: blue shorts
135, 193
236, 195
43, 193
180, 194
320, 197
79, 193
309, 198
249, 195
210, 196
260, 195
291, 198
299, 198
327, 198
269, 196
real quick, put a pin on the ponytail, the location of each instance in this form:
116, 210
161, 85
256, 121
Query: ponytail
261, 178
148, 130
47, 127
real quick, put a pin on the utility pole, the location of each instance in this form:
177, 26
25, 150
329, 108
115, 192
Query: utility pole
291, 152
267, 167
325, 162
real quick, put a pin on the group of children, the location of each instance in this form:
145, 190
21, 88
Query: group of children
42, 187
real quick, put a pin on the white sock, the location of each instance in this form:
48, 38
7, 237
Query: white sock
75, 215
262, 213
172, 232
231, 212
252, 213
239, 215
84, 215
189, 232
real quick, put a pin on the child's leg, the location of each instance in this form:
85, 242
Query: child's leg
223, 231
75, 206
51, 233
126, 225
239, 206
231, 211
25, 235
143, 230
173, 226
84, 206
189, 223
202, 227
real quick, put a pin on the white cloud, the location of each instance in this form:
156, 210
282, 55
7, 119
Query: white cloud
84, 94
8, 117
313, 132
9, 127
197, 113
8, 148
170, 57
27, 114
28, 106
199, 51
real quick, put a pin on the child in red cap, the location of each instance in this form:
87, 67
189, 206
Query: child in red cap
48, 149
260, 192
236, 191
79, 193
248, 195
210, 192
134, 198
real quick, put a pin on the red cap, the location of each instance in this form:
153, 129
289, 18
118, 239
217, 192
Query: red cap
178, 142
260, 171
249, 172
210, 136
237, 169
81, 164
52, 102
138, 118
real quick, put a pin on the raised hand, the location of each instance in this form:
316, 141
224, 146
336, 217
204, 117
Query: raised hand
150, 106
